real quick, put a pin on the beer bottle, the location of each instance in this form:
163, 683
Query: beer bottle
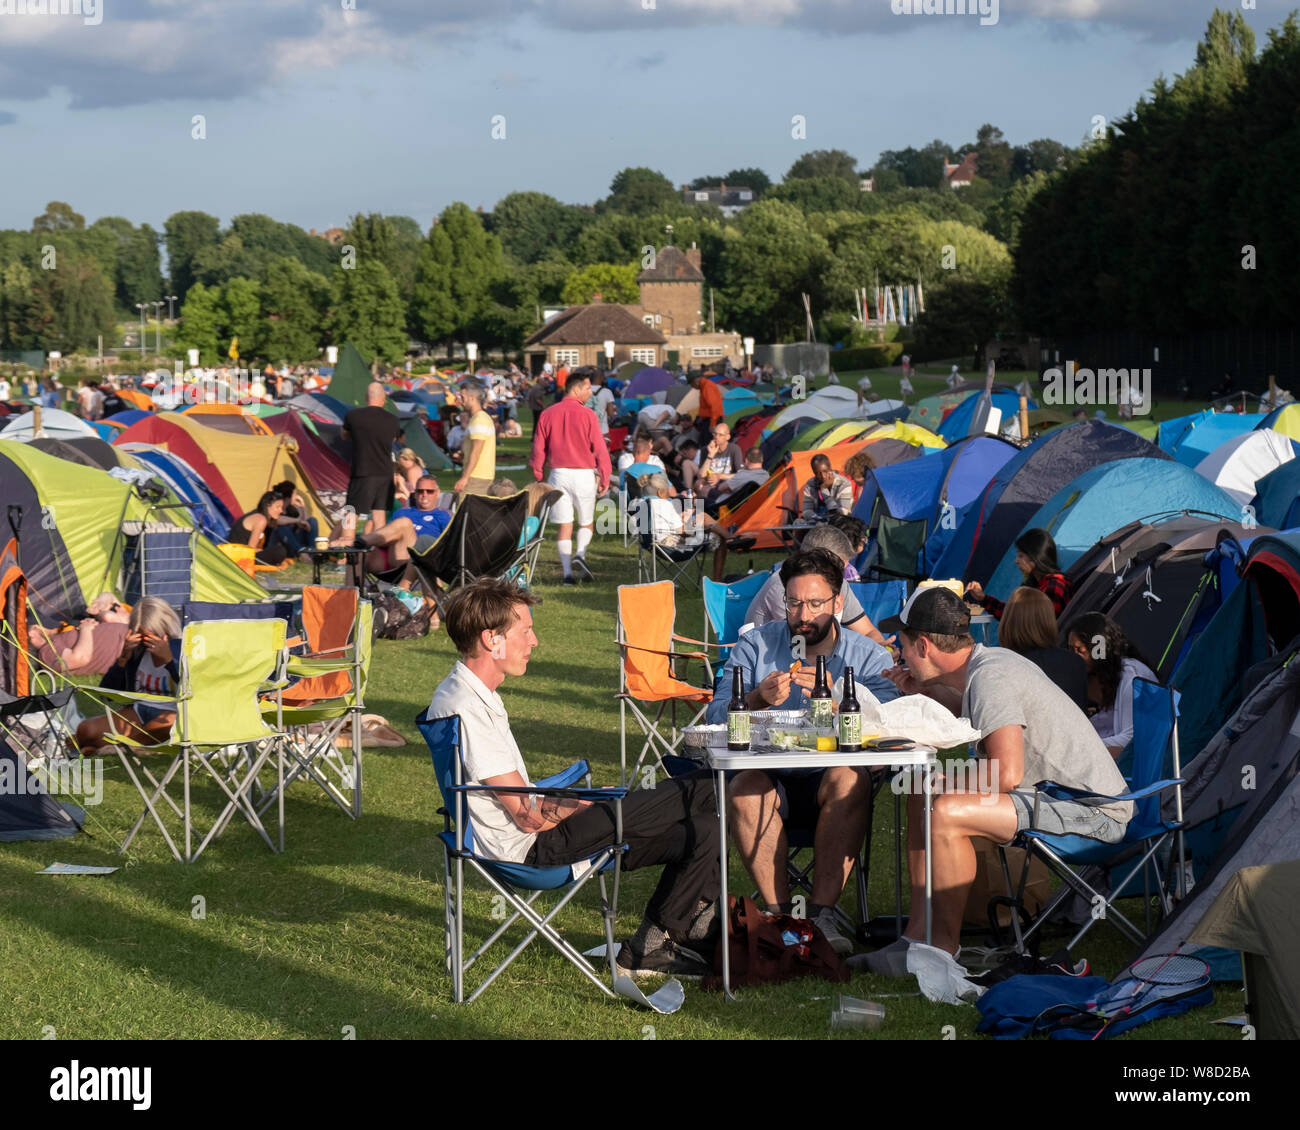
850, 736
738, 714
821, 708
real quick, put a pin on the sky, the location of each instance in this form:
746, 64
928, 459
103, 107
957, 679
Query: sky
313, 110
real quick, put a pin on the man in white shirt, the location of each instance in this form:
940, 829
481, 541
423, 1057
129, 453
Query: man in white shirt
674, 824
655, 416
641, 453
601, 401
4, 389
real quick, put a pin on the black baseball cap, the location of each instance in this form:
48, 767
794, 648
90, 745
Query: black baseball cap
936, 609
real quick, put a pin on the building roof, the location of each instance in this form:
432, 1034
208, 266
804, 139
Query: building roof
964, 172
672, 265
592, 325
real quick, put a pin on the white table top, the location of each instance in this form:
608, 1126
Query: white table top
722, 758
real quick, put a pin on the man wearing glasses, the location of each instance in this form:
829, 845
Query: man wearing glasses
779, 661
412, 527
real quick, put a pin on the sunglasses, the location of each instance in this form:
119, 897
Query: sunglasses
427, 492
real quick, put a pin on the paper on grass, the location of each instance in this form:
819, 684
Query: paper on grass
76, 869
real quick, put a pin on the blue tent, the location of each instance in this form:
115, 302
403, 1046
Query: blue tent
1023, 484
321, 404
1189, 439
210, 513
958, 422
128, 416
1278, 502
1107, 497
734, 399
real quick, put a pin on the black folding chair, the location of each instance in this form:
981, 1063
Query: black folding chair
485, 538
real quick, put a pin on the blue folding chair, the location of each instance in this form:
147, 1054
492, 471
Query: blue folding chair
725, 606
1155, 733
510, 879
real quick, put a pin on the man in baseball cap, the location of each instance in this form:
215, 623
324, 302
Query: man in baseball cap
1032, 731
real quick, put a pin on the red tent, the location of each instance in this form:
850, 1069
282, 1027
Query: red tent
326, 470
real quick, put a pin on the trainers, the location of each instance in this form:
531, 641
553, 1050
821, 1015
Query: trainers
580, 568
569, 581
668, 960
825, 922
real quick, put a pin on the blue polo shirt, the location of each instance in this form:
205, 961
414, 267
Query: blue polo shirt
765, 649
431, 522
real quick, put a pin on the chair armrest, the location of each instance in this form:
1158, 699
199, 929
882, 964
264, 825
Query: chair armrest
565, 778
702, 643
1065, 792
617, 792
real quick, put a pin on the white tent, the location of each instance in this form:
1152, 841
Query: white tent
798, 410
55, 424
834, 397
1237, 465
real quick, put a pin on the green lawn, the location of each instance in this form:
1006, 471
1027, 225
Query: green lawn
345, 928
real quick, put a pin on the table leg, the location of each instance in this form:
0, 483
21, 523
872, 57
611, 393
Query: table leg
929, 853
720, 798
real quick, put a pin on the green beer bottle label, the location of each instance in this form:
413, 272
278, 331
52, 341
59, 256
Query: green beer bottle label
738, 728
850, 729
821, 713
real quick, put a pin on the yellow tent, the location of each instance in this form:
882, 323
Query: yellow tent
909, 433
238, 467
1287, 421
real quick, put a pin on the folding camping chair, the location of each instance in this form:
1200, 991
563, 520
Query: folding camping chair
899, 543
485, 538
645, 672
653, 558
629, 496
329, 695
540, 500
1155, 729
725, 606
224, 665
511, 880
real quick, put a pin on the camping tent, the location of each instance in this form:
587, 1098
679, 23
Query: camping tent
238, 468
1241, 805
351, 377
1277, 499
1161, 581
55, 424
209, 511
801, 409
649, 381
1189, 439
325, 470
417, 439
957, 423
1239, 463
89, 451
1023, 484
1108, 496
27, 811
1285, 420
320, 404
70, 548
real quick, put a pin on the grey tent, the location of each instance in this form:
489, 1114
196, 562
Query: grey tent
1258, 913
27, 811
1241, 803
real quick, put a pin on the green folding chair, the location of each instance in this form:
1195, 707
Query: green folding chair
220, 728
329, 697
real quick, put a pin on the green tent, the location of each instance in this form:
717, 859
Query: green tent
417, 439
69, 543
351, 377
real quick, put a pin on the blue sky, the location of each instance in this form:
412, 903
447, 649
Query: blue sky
314, 112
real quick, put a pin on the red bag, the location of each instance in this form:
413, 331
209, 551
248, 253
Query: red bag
768, 948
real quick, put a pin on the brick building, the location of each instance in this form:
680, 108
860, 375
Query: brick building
578, 336
673, 291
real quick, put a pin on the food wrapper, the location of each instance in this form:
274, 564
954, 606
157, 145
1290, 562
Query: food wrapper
914, 716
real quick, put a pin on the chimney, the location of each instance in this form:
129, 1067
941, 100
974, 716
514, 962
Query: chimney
597, 298
693, 257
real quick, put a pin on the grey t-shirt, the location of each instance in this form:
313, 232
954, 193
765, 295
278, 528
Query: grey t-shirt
1006, 689
769, 603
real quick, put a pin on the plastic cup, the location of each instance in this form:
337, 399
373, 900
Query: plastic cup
322, 544
850, 1012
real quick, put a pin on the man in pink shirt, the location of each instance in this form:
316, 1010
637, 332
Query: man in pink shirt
567, 437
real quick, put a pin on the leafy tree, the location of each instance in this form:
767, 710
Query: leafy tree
639, 191
825, 163
1004, 215
59, 216
218, 263
188, 233
458, 264
918, 168
130, 259
367, 311
993, 155
612, 281
756, 179
293, 303
241, 307
26, 310
202, 325
817, 194
532, 225
82, 299
962, 315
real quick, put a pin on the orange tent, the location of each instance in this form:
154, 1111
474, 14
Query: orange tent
238, 418
776, 502
137, 399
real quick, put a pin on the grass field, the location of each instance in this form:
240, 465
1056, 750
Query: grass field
345, 928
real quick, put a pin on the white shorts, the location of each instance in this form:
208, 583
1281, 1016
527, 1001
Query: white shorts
577, 493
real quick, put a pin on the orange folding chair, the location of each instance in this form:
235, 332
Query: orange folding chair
646, 674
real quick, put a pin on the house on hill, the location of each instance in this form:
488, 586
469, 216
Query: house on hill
961, 174
732, 199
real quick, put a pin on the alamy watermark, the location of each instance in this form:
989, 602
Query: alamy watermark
82, 778
1129, 389
977, 775
90, 11
987, 10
